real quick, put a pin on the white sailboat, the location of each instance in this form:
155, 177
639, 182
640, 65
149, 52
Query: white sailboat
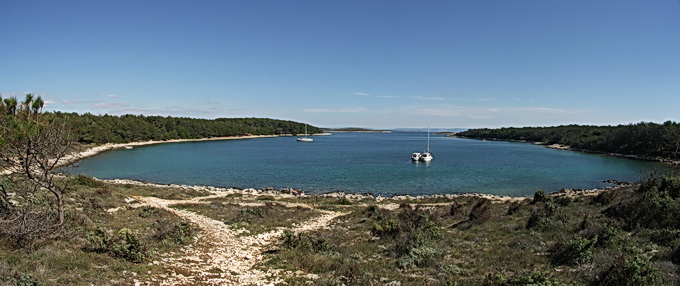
425, 156
305, 138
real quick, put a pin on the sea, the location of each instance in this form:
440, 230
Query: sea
364, 162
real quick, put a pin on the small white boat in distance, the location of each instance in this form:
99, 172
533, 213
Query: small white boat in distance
128, 147
425, 156
305, 138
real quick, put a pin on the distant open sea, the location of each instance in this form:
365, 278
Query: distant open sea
377, 163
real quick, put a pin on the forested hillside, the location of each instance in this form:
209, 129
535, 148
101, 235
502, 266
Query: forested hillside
91, 128
642, 139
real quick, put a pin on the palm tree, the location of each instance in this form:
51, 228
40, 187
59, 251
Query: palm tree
11, 104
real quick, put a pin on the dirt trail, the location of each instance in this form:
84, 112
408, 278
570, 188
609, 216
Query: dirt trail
219, 256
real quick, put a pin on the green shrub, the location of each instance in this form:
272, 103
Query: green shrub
288, 239
585, 223
605, 198
129, 247
301, 242
124, 244
385, 227
19, 280
99, 240
86, 181
534, 278
343, 201
665, 237
321, 245
147, 211
607, 236
656, 205
421, 256
539, 196
573, 252
550, 208
636, 271
252, 212
179, 233
564, 200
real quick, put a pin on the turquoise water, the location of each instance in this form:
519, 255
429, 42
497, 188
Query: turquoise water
378, 163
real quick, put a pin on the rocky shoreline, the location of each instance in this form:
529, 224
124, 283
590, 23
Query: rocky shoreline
299, 194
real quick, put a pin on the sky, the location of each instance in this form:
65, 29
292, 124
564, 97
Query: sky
350, 63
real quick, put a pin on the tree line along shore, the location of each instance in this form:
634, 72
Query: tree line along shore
644, 140
102, 129
57, 230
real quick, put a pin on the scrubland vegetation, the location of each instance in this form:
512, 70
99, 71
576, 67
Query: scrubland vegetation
61, 230
624, 236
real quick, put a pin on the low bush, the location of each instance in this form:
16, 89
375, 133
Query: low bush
83, 180
343, 201
480, 212
563, 200
634, 271
302, 242
19, 280
573, 252
515, 207
455, 209
666, 237
605, 198
385, 227
147, 211
124, 244
607, 236
179, 233
656, 206
419, 256
534, 278
539, 196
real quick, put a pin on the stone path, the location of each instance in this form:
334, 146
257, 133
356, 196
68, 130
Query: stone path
219, 256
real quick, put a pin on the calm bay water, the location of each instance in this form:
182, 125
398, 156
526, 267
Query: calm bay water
378, 163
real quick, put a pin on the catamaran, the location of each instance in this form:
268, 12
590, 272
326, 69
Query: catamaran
425, 156
305, 138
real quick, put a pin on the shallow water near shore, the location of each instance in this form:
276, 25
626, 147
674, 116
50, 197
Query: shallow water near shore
377, 163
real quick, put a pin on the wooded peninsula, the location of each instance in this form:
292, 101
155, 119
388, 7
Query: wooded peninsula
643, 140
100, 129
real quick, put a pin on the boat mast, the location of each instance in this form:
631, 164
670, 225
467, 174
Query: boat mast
428, 140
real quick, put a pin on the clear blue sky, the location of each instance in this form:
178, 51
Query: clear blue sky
364, 63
